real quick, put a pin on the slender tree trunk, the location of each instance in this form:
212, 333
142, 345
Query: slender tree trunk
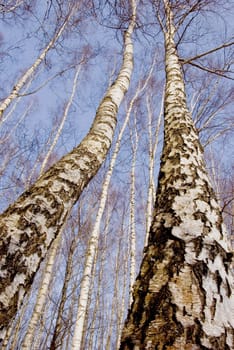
132, 238
29, 338
60, 128
153, 146
95, 324
86, 325
59, 332
124, 302
32, 69
93, 243
183, 294
29, 226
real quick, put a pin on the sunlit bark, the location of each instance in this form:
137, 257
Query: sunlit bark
29, 337
153, 146
95, 322
132, 238
86, 280
59, 331
183, 294
30, 225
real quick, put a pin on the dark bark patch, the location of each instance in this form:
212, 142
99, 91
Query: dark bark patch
213, 308
218, 280
228, 288
198, 245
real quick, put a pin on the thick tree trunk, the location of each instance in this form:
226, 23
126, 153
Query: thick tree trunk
28, 227
183, 294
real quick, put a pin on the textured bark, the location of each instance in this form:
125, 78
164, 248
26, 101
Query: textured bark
28, 227
30, 336
132, 238
59, 331
183, 294
94, 237
153, 146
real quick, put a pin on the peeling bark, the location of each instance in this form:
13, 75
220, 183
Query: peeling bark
28, 227
182, 296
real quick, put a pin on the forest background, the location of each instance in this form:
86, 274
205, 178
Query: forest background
53, 112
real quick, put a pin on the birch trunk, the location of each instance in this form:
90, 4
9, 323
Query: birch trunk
29, 337
114, 303
124, 303
60, 128
43, 291
59, 332
32, 69
132, 243
153, 146
183, 294
29, 226
95, 320
93, 243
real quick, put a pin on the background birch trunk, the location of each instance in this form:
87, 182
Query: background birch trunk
114, 305
32, 69
65, 114
58, 331
183, 294
93, 243
132, 236
29, 226
30, 336
94, 324
153, 146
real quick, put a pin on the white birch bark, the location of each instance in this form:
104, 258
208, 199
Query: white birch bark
13, 331
94, 322
153, 145
93, 242
29, 337
32, 69
29, 226
89, 298
183, 296
115, 294
132, 243
59, 333
123, 303
16, 102
10, 6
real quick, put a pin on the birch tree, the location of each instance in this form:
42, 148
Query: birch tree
29, 226
15, 92
132, 221
182, 296
153, 145
85, 284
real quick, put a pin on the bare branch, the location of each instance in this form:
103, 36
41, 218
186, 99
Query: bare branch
209, 70
184, 61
